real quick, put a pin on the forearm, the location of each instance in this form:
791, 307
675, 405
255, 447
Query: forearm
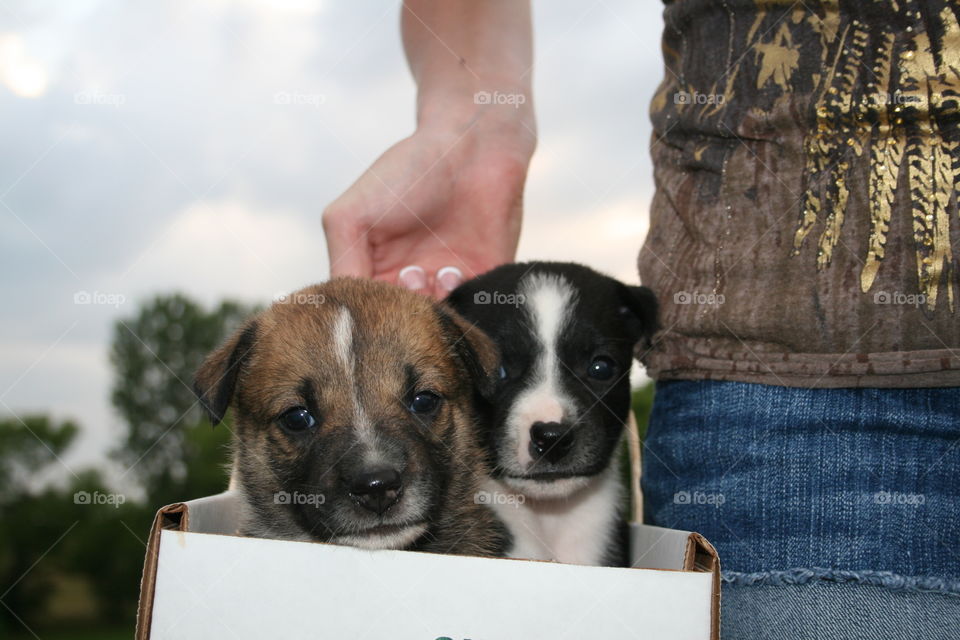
459, 48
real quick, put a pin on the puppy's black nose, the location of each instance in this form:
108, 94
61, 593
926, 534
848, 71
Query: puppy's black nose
550, 440
376, 490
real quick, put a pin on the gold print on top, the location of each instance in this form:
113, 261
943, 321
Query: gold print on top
878, 109
893, 98
779, 59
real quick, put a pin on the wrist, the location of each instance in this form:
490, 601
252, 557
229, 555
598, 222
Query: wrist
493, 117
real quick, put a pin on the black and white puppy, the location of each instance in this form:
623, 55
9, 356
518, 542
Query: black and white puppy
567, 336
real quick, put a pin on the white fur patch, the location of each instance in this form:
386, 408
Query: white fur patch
577, 529
550, 490
342, 341
548, 301
395, 540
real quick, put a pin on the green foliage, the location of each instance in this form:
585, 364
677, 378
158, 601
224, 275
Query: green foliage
49, 534
642, 405
28, 447
107, 547
169, 447
71, 552
30, 520
79, 634
642, 402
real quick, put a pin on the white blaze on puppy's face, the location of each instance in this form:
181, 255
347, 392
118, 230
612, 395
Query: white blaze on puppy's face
548, 299
343, 348
343, 339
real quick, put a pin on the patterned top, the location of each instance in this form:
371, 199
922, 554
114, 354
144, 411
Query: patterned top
805, 230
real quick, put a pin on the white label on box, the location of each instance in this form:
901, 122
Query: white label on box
214, 586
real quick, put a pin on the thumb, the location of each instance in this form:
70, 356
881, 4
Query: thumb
347, 246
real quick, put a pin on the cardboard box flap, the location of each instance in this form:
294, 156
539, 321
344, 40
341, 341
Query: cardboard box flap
169, 517
213, 514
658, 548
702, 556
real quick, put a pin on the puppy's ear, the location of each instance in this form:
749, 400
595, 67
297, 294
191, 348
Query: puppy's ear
216, 378
640, 308
475, 350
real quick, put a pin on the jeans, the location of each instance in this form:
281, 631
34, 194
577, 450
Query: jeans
832, 509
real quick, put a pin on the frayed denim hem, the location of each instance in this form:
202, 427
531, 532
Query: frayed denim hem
825, 604
802, 576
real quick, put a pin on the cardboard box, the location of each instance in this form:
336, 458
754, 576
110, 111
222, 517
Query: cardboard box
202, 581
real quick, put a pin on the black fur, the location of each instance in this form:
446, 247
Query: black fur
608, 318
215, 397
605, 319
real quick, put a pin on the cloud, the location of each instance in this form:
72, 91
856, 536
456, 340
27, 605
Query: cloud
607, 238
213, 250
145, 150
22, 75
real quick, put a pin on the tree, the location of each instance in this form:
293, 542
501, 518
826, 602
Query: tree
28, 528
169, 447
59, 528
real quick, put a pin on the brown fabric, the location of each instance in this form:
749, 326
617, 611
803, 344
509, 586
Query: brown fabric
805, 228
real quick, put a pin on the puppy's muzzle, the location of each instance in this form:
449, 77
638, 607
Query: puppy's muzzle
376, 490
551, 441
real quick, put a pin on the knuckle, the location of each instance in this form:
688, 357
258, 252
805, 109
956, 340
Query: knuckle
334, 216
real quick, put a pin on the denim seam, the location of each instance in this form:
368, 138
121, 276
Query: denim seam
801, 576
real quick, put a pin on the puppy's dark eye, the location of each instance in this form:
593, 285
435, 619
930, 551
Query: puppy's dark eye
601, 368
297, 419
503, 373
424, 402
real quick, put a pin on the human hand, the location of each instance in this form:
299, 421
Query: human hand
440, 206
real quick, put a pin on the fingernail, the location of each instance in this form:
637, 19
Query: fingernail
413, 277
449, 278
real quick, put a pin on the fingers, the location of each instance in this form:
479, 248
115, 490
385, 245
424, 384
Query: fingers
347, 245
448, 279
437, 285
413, 277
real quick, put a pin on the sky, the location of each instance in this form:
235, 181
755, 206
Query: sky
147, 148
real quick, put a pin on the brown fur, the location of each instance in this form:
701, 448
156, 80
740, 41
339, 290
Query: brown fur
284, 358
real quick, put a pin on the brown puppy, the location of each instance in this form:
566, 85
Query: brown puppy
354, 420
